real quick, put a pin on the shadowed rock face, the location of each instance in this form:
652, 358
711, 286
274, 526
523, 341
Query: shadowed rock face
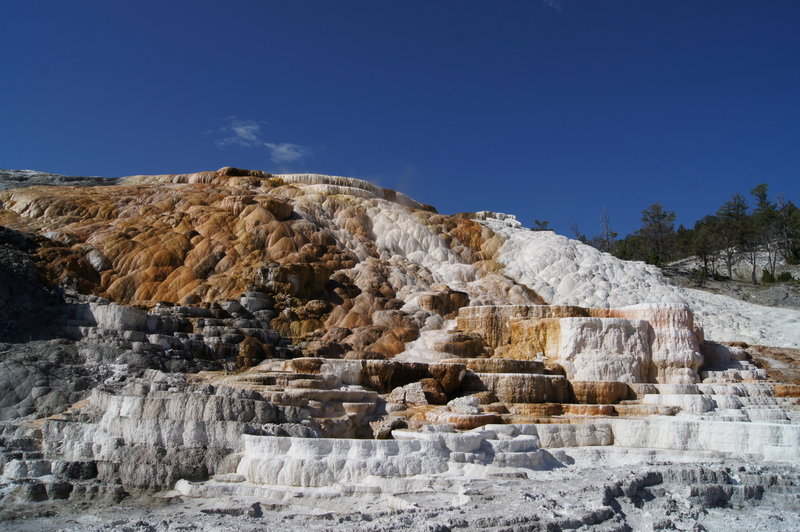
26, 302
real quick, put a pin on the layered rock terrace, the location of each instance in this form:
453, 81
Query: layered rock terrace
244, 335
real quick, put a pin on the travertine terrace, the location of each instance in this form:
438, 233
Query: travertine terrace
305, 345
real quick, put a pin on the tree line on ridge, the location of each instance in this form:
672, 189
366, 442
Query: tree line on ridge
761, 235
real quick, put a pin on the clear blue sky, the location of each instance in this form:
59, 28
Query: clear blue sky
545, 109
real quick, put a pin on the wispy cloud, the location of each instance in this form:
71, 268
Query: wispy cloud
240, 133
553, 4
248, 134
286, 152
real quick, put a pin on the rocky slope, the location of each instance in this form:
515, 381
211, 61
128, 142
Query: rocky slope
251, 337
29, 178
783, 295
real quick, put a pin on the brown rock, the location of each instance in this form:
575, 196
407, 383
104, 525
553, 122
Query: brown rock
392, 319
297, 328
388, 345
405, 334
303, 280
520, 388
305, 365
252, 351
434, 395
492, 322
279, 209
317, 307
446, 302
449, 376
363, 355
386, 375
485, 397
462, 421
337, 334
496, 408
589, 410
461, 344
554, 369
600, 393
231, 171
362, 337
533, 338
646, 410
320, 348
500, 365
787, 390
382, 429
537, 409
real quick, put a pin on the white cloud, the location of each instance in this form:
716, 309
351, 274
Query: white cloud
248, 134
553, 4
285, 152
240, 133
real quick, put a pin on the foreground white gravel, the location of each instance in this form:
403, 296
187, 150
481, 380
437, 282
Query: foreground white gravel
717, 497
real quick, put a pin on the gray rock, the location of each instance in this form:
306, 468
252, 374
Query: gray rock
59, 490
98, 261
33, 491
468, 404
415, 394
74, 469
293, 430
231, 307
255, 304
255, 511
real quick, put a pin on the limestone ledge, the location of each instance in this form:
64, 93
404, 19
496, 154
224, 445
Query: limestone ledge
494, 449
150, 433
640, 343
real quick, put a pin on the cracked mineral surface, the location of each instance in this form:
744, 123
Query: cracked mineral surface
234, 350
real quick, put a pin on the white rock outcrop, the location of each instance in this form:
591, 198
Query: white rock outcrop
639, 343
568, 272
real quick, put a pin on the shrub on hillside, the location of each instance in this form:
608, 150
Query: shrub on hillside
783, 277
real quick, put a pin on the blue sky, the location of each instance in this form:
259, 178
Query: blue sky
545, 109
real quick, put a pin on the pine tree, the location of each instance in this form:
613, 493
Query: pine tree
657, 232
765, 229
705, 244
788, 230
731, 229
